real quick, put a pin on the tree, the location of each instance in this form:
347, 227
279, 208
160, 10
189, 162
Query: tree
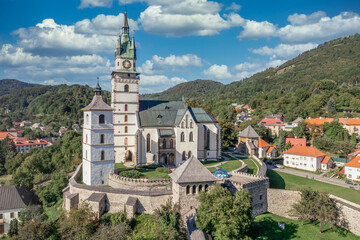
316, 207
32, 213
300, 130
169, 216
52, 192
119, 231
7, 153
35, 230
14, 227
79, 224
223, 215
331, 106
353, 138
335, 131
228, 133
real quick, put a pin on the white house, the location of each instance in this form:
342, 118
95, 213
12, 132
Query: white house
12, 201
352, 169
303, 157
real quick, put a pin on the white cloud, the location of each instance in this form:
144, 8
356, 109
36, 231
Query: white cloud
159, 64
158, 83
326, 28
302, 19
218, 72
234, 7
284, 51
275, 63
247, 66
104, 25
255, 30
95, 3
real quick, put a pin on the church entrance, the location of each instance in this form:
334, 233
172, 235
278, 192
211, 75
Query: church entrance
172, 158
128, 156
164, 159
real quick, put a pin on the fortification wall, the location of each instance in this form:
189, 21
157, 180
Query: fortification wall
116, 181
280, 202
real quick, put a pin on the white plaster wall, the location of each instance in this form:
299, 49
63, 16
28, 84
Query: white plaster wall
212, 153
147, 157
120, 107
302, 162
352, 173
7, 219
99, 172
120, 118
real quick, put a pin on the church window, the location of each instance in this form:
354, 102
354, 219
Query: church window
126, 88
194, 189
208, 139
87, 118
125, 118
191, 137
126, 129
126, 107
189, 154
182, 124
183, 155
164, 144
171, 143
101, 119
206, 187
148, 143
182, 137
200, 188
118, 63
102, 155
102, 138
126, 141
191, 124
187, 189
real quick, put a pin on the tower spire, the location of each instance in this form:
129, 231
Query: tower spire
97, 89
125, 28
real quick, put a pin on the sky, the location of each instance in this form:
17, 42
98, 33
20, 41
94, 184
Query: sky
73, 41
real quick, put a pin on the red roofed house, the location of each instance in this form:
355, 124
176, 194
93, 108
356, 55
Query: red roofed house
265, 150
352, 169
4, 135
353, 126
23, 145
318, 121
296, 141
274, 124
327, 163
302, 157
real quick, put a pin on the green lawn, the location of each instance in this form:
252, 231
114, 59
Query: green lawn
252, 165
231, 165
119, 166
55, 211
211, 163
211, 169
266, 227
291, 182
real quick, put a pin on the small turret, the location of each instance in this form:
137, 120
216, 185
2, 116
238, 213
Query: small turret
125, 28
97, 89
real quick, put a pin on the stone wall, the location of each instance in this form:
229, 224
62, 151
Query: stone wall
242, 169
116, 181
280, 202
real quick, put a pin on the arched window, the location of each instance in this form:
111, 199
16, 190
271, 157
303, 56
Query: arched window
206, 187
87, 119
194, 189
200, 188
125, 118
182, 124
126, 141
191, 124
182, 137
164, 144
187, 189
126, 129
102, 155
118, 63
101, 119
126, 88
171, 143
102, 138
189, 154
183, 155
191, 137
187, 121
126, 107
208, 139
86, 138
148, 143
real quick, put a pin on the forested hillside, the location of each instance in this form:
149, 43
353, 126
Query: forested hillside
51, 105
11, 85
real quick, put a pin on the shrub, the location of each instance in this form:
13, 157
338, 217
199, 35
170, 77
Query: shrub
162, 170
130, 174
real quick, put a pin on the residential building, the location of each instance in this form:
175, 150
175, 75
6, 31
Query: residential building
12, 201
36, 126
296, 141
62, 131
274, 124
302, 157
353, 126
327, 163
4, 135
352, 169
25, 123
23, 145
318, 121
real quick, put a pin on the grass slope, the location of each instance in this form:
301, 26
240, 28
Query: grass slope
266, 227
287, 181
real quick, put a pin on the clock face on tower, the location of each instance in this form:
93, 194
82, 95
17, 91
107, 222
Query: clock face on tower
126, 64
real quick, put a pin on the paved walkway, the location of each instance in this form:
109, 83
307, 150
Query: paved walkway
314, 176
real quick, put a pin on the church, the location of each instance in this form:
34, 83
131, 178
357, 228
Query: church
140, 132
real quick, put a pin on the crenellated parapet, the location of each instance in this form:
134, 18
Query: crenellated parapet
117, 181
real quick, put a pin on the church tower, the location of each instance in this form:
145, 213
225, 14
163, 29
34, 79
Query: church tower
98, 141
125, 97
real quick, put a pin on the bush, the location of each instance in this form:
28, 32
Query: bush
152, 166
130, 174
162, 170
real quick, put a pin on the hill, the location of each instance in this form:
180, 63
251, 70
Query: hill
12, 85
191, 89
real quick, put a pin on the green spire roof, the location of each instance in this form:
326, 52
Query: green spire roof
125, 46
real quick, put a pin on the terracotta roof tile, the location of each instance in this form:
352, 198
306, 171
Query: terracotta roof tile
305, 151
271, 121
326, 160
318, 121
353, 163
296, 141
353, 121
3, 135
263, 143
270, 149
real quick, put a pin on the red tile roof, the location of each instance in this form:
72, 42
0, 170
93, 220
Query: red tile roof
270, 149
271, 121
354, 163
263, 143
318, 121
296, 141
3, 135
353, 121
21, 141
326, 160
305, 151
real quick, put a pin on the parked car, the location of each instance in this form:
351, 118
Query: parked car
350, 182
279, 166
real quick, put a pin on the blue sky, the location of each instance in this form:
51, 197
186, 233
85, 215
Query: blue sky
72, 41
